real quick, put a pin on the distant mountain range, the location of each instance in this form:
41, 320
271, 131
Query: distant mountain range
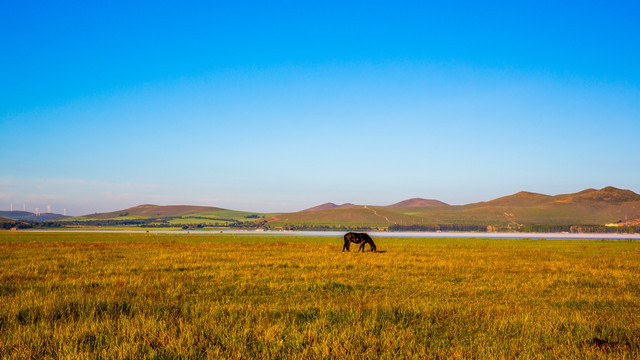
588, 207
518, 211
329, 206
415, 202
29, 216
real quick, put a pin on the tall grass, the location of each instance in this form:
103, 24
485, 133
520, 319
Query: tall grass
223, 296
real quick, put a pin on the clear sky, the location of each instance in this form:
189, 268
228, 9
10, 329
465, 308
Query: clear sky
280, 106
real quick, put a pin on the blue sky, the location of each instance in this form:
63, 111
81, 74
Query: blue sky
280, 106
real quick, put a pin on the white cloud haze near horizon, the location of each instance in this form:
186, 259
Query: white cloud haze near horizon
90, 197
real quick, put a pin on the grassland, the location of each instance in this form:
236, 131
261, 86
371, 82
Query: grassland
70, 295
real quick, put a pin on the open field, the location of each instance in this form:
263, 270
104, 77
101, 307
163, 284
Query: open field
129, 295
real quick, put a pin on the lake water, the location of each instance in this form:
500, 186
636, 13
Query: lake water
417, 234
453, 235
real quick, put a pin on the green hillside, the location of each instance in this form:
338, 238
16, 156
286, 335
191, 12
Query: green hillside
154, 211
169, 216
355, 216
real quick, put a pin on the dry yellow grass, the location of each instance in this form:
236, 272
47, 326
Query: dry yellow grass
222, 296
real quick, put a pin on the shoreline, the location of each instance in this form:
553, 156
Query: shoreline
415, 234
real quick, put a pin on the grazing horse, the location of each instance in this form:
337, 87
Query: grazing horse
358, 238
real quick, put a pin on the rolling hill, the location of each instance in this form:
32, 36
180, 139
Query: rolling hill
588, 207
523, 198
328, 206
520, 211
418, 202
363, 216
16, 215
29, 216
155, 211
168, 216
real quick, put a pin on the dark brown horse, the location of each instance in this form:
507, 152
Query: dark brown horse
358, 238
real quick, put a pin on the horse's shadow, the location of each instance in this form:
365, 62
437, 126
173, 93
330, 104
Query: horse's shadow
381, 251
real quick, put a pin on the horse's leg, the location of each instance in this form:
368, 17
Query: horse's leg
347, 245
362, 246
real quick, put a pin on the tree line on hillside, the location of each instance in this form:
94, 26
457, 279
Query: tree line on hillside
533, 228
20, 224
317, 227
438, 227
166, 223
263, 224
16, 224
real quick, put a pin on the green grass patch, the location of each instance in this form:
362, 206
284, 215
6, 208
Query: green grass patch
83, 295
